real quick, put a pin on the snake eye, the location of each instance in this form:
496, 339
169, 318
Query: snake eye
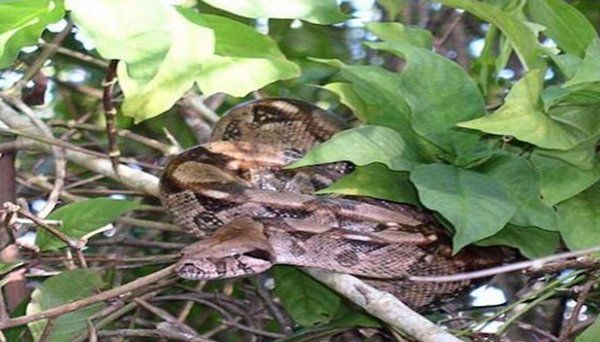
259, 254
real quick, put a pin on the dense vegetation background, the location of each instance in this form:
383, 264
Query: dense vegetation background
484, 112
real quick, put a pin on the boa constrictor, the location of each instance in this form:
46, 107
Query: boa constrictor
253, 213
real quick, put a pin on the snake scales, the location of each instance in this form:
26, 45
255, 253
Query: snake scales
252, 213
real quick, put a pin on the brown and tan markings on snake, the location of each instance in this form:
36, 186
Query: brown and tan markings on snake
252, 213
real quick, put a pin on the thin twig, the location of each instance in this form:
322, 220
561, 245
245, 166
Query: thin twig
81, 303
110, 112
584, 291
534, 265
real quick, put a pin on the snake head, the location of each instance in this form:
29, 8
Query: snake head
236, 249
237, 265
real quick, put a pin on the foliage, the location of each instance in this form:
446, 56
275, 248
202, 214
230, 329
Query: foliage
502, 162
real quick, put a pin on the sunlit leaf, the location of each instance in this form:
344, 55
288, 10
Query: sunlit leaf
81, 218
63, 289
305, 299
477, 205
522, 116
591, 333
314, 11
22, 23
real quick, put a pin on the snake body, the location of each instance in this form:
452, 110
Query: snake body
251, 212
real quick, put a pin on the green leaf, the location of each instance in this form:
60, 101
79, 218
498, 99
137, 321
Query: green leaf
399, 33
314, 11
163, 51
363, 145
530, 241
475, 204
591, 333
589, 69
82, 218
375, 180
63, 289
305, 299
349, 97
568, 27
6, 267
522, 38
560, 180
22, 23
160, 51
580, 219
520, 180
435, 108
521, 116
245, 60
581, 156
392, 7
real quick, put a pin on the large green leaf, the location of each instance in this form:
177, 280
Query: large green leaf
520, 180
530, 241
521, 37
364, 145
82, 218
305, 299
589, 69
376, 180
22, 23
580, 219
435, 107
163, 51
63, 289
522, 116
244, 60
160, 52
560, 180
477, 205
314, 11
568, 27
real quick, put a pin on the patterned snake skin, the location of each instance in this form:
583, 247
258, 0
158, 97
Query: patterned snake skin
252, 213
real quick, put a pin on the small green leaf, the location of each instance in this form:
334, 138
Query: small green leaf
305, 299
568, 27
589, 69
591, 333
6, 267
580, 219
398, 33
314, 11
81, 218
22, 23
376, 180
520, 180
521, 37
63, 289
349, 97
475, 204
364, 145
521, 116
530, 241
560, 180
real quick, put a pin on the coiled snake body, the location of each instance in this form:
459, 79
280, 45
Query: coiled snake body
252, 213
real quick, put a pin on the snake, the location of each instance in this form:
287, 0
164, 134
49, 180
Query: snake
250, 211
